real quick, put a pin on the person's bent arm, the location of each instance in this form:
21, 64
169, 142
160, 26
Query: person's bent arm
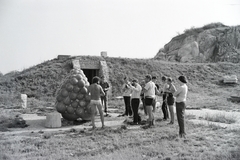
135, 88
102, 93
157, 91
173, 89
107, 87
175, 94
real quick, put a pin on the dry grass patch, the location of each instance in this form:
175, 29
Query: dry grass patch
160, 142
221, 118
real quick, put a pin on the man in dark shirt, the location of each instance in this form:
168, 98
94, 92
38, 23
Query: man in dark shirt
154, 79
104, 98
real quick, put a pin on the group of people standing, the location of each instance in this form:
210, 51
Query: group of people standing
134, 93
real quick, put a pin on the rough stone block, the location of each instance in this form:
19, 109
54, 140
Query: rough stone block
53, 120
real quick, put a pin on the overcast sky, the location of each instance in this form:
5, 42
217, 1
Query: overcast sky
34, 31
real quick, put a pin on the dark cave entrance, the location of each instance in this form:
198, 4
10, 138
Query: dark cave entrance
90, 73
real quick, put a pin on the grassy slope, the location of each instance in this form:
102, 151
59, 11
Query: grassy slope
43, 80
199, 75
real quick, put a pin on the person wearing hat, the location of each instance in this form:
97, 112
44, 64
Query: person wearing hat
181, 97
135, 100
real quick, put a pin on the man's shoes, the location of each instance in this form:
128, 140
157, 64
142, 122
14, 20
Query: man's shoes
133, 123
122, 115
93, 128
143, 122
183, 135
153, 122
150, 123
107, 115
146, 127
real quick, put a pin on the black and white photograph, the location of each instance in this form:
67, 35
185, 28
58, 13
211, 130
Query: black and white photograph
119, 80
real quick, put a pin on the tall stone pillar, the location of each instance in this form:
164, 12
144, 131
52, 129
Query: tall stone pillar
104, 54
76, 64
105, 72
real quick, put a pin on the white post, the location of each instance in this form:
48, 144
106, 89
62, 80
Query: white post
104, 54
24, 100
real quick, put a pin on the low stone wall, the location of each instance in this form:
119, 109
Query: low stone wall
63, 56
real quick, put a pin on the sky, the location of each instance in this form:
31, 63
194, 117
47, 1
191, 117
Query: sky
34, 31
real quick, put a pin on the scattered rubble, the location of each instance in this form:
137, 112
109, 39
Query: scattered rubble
18, 122
230, 79
234, 99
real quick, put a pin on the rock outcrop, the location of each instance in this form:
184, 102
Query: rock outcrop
211, 43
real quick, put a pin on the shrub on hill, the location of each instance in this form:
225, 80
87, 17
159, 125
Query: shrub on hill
213, 25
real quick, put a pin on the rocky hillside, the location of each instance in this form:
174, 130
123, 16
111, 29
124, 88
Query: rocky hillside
210, 43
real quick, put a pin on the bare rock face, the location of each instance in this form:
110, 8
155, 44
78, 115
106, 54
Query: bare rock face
211, 43
188, 52
206, 43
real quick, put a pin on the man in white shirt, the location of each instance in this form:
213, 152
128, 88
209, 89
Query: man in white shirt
149, 95
181, 97
135, 100
127, 97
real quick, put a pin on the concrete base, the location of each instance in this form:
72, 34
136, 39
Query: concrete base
53, 120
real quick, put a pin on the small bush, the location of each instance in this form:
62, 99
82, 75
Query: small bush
6, 117
193, 31
213, 25
10, 100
